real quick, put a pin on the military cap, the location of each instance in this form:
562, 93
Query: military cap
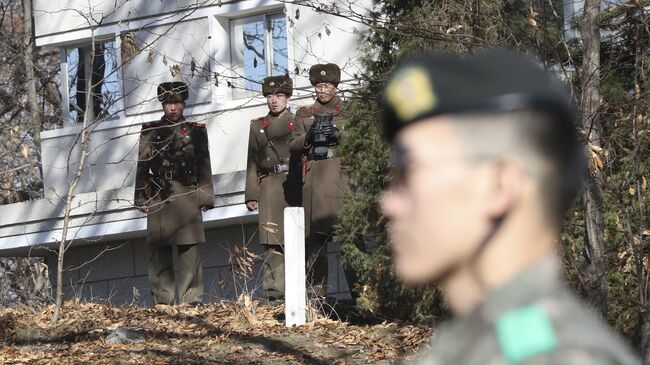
495, 80
174, 91
277, 84
328, 72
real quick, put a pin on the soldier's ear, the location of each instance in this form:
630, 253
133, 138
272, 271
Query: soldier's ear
505, 186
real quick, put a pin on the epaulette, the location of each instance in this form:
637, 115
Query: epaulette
256, 119
199, 124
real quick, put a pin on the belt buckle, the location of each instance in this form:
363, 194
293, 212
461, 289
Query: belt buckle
277, 169
168, 175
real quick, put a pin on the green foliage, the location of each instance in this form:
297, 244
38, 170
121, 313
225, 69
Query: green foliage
362, 232
403, 28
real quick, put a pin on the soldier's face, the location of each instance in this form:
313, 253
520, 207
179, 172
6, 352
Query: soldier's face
173, 111
325, 92
277, 102
435, 209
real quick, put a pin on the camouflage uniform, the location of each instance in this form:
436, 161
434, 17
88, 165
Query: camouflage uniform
174, 180
534, 319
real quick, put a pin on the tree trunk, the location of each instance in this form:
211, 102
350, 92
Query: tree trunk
63, 245
595, 273
32, 97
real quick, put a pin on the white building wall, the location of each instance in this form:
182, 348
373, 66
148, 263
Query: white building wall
108, 256
201, 33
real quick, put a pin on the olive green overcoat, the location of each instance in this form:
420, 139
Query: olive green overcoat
272, 191
174, 215
325, 183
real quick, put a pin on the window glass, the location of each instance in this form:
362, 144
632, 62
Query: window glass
251, 55
259, 50
102, 69
278, 33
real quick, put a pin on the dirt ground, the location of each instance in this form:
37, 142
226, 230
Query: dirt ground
218, 333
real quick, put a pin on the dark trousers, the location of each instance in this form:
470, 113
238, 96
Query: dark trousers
273, 271
162, 278
316, 260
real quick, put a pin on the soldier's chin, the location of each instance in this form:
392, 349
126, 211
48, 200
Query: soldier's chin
408, 274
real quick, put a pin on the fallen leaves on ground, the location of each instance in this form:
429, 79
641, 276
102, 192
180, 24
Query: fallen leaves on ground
215, 333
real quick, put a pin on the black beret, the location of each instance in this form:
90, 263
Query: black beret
328, 72
277, 84
174, 91
495, 80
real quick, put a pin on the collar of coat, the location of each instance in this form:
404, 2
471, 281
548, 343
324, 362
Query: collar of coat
266, 120
333, 106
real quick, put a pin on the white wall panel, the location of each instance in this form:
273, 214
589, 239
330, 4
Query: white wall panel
163, 48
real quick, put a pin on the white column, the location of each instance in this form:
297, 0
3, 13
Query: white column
295, 292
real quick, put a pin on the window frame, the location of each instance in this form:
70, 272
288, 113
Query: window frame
239, 93
64, 87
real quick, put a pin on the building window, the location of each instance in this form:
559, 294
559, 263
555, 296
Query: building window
259, 48
101, 68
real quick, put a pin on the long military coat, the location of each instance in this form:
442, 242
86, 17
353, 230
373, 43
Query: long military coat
272, 191
534, 319
174, 215
325, 183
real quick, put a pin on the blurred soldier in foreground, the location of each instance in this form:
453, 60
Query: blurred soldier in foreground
317, 135
271, 185
173, 186
486, 163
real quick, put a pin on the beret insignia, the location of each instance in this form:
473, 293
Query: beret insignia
411, 93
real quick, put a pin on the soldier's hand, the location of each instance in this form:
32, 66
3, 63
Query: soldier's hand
309, 137
330, 130
251, 205
144, 209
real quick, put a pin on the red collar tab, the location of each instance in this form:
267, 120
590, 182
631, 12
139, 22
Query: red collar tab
291, 126
338, 107
265, 124
184, 131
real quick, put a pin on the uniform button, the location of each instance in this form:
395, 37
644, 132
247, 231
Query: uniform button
184, 149
183, 164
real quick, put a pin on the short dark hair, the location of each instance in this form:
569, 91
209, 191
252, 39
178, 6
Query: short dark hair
539, 139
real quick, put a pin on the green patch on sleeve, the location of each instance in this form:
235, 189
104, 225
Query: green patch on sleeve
525, 332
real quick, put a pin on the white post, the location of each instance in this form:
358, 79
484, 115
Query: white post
295, 287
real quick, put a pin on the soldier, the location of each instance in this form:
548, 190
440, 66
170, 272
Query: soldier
486, 163
173, 187
271, 185
317, 135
